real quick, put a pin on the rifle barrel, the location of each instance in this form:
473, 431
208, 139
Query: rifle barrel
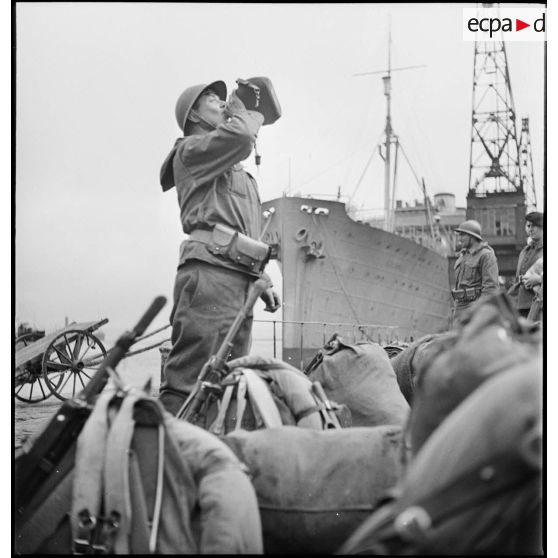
124, 342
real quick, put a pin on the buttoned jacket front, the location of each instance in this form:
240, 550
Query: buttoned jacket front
478, 269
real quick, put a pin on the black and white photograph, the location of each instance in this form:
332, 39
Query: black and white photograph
279, 278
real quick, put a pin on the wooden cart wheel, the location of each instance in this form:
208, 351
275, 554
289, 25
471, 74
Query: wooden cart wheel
70, 361
30, 386
27, 339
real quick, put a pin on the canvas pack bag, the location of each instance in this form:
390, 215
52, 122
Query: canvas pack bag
475, 487
144, 482
361, 376
414, 359
491, 342
315, 487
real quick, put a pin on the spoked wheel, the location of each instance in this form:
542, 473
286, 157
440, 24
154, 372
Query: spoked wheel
70, 362
30, 386
27, 339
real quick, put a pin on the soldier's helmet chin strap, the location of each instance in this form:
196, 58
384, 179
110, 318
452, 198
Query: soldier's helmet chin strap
204, 123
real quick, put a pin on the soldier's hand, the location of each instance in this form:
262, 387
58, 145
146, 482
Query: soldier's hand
531, 282
234, 104
271, 299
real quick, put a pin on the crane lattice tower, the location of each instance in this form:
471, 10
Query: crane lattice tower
526, 166
494, 158
496, 197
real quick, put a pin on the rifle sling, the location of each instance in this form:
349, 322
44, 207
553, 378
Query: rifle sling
217, 427
240, 401
261, 399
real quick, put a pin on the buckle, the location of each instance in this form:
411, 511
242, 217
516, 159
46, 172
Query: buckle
105, 541
412, 524
86, 524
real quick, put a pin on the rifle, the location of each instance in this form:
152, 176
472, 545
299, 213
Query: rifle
46, 464
215, 368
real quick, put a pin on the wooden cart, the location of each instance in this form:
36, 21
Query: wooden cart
60, 363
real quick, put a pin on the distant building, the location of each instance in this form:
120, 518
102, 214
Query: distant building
432, 224
502, 217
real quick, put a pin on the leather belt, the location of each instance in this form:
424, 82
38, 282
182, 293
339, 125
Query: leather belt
466, 294
201, 235
234, 246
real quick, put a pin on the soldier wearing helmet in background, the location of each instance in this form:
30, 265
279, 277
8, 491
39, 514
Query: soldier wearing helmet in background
527, 285
476, 270
220, 210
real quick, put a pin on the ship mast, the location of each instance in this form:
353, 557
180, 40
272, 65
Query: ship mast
390, 137
388, 131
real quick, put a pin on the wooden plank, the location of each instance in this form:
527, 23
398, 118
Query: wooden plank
37, 348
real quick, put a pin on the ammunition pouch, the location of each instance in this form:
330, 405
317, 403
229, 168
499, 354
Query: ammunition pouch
234, 246
466, 294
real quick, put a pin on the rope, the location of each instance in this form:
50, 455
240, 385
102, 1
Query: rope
411, 166
341, 283
365, 169
144, 349
152, 333
98, 358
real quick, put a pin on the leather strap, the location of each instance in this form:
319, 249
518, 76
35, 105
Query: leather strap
117, 472
240, 401
261, 399
201, 235
88, 471
217, 427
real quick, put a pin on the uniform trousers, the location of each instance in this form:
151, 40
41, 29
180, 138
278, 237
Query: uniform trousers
206, 301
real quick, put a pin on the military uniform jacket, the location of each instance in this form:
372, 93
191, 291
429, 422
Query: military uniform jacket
477, 268
211, 186
527, 257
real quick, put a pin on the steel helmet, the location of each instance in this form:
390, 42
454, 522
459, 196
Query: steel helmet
190, 95
470, 227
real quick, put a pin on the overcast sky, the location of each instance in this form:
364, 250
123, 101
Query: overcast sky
96, 89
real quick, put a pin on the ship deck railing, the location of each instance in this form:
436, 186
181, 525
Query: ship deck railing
350, 332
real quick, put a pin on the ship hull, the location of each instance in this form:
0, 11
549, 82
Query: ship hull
342, 276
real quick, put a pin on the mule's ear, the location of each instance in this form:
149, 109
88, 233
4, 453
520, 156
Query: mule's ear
147, 387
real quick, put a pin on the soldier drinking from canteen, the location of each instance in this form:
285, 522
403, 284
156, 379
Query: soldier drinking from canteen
476, 270
220, 210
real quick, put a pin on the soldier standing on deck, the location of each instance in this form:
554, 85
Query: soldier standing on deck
476, 270
220, 210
